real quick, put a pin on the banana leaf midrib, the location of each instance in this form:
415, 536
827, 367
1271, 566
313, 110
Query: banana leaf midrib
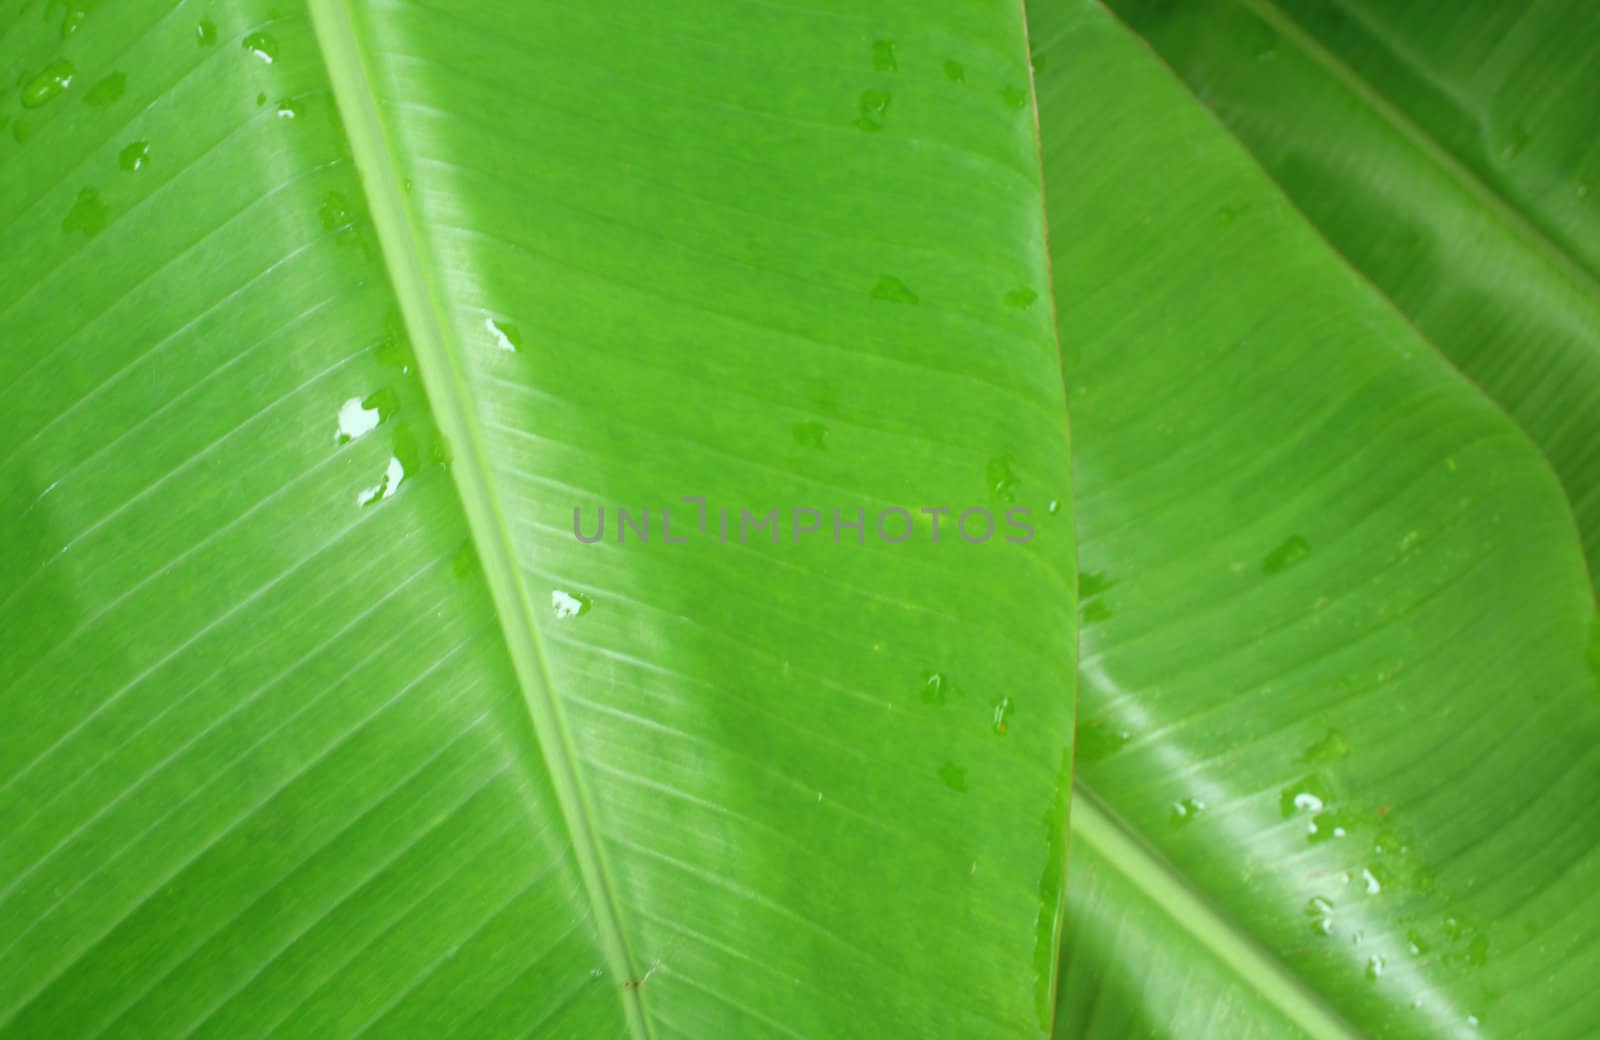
438, 359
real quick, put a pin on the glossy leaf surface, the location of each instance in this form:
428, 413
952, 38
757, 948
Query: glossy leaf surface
1452, 153
315, 328
1340, 673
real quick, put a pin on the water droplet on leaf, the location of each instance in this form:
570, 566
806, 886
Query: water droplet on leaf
72, 20
812, 435
1002, 715
1185, 811
105, 93
358, 416
1330, 748
892, 290
874, 106
262, 46
1094, 612
1098, 740
393, 475
1286, 555
504, 335
569, 604
1320, 913
1002, 481
87, 215
134, 156
48, 84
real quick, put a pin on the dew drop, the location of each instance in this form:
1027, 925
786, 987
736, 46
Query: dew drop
1375, 965
812, 435
1325, 826
1020, 297
1330, 748
1015, 97
883, 56
1098, 740
1286, 555
133, 157
1001, 479
954, 776
954, 72
1319, 911
356, 420
937, 688
504, 335
892, 290
48, 84
205, 34
87, 215
1184, 811
1093, 583
393, 474
106, 92
569, 604
72, 20
1306, 795
261, 45
290, 110
1094, 612
1002, 715
874, 106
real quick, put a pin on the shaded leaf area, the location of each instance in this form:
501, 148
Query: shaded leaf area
1338, 669
315, 718
1143, 956
1452, 153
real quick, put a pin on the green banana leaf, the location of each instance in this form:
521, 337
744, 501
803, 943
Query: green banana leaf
321, 326
1339, 717
1449, 151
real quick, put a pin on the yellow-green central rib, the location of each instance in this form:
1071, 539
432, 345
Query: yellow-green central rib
1096, 827
440, 363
